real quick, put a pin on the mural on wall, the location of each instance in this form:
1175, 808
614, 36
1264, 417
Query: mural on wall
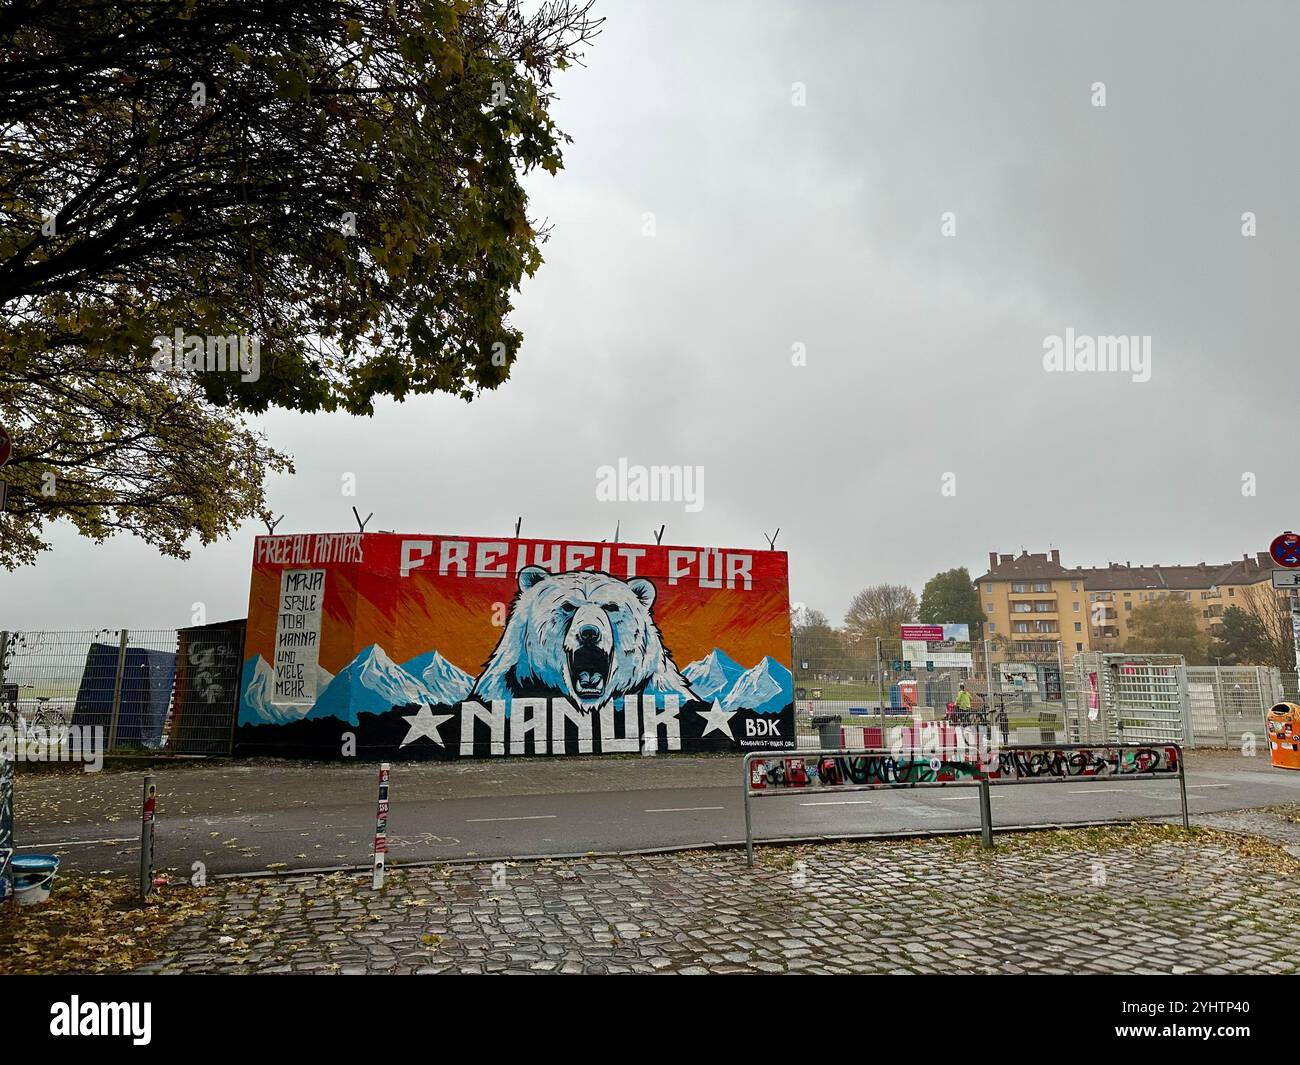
444, 647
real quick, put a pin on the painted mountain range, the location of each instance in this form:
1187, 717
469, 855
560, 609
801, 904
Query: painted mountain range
373, 683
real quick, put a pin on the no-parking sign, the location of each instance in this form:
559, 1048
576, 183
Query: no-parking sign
1285, 550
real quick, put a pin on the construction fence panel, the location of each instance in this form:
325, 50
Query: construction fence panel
161, 690
1228, 703
868, 683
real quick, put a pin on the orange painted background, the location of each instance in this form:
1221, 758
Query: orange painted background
369, 602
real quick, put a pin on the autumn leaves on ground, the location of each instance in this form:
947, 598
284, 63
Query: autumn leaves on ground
93, 924
96, 923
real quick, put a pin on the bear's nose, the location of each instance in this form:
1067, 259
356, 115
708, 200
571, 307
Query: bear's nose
589, 634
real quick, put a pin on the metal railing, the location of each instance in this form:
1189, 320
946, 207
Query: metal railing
912, 762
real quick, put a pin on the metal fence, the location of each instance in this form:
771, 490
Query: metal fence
1048, 696
165, 690
1156, 698
871, 684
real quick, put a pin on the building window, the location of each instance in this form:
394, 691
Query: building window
1231, 592
1078, 626
1128, 606
1040, 586
1076, 608
1017, 588
992, 627
1074, 586
1078, 647
988, 607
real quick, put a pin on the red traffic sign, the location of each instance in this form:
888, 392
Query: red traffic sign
6, 446
1285, 550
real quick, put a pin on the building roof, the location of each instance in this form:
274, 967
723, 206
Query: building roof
1248, 570
1119, 576
1034, 566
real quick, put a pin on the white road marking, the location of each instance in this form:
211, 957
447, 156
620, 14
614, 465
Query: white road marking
1086, 791
1191, 786
956, 798
683, 809
531, 817
840, 802
74, 843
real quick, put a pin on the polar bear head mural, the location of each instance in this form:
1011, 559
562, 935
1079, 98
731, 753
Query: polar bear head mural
582, 635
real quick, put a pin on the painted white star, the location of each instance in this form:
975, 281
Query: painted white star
424, 722
717, 720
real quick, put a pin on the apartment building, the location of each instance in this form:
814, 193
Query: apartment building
1032, 601
1030, 598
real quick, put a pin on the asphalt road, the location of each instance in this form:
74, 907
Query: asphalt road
248, 817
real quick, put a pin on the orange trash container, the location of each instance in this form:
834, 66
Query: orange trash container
1284, 735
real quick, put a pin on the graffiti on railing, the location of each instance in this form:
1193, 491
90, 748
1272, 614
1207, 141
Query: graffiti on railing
1101, 761
902, 768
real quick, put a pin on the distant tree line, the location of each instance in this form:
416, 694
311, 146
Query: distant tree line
1255, 631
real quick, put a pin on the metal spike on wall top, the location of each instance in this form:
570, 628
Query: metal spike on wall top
771, 540
519, 521
270, 525
358, 517
659, 536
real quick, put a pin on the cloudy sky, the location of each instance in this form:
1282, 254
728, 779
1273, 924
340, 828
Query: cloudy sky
777, 225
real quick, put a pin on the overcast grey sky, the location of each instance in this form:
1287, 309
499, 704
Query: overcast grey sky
776, 225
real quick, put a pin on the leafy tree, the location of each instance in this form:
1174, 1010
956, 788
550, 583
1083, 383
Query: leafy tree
339, 179
951, 597
1259, 629
1167, 626
1243, 641
818, 643
879, 610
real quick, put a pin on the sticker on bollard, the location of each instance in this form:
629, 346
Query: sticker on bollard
381, 828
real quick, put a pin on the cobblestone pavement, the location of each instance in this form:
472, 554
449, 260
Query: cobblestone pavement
1135, 899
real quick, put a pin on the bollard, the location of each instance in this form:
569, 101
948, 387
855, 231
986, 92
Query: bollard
6, 825
147, 811
381, 828
986, 815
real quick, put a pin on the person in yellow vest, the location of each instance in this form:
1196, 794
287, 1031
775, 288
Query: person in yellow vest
963, 704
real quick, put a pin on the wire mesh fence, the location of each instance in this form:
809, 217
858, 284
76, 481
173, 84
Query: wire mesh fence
165, 690
855, 691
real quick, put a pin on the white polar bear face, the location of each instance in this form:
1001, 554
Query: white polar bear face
584, 635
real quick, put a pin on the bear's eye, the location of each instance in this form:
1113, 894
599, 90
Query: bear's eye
611, 608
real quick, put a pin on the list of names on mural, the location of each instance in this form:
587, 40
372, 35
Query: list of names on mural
297, 636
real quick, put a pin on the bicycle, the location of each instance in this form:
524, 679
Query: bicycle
45, 716
10, 717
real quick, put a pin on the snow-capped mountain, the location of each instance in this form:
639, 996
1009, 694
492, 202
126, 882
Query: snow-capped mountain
371, 683
767, 688
712, 676
447, 683
255, 685
257, 688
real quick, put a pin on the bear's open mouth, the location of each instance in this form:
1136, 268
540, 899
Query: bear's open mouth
589, 670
